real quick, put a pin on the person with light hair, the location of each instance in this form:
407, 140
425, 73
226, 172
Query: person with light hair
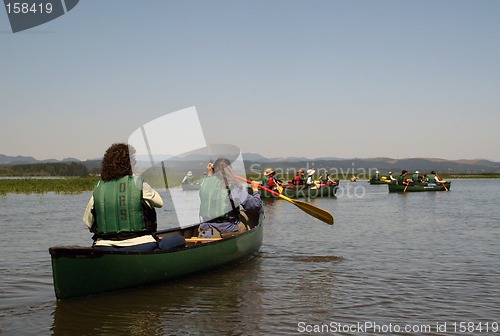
222, 197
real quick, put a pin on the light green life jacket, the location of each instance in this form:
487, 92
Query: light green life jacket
214, 197
431, 178
118, 207
265, 181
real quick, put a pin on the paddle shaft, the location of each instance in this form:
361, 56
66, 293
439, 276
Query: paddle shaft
442, 182
310, 209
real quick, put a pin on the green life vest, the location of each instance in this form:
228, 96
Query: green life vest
189, 180
214, 199
265, 181
118, 207
432, 178
415, 177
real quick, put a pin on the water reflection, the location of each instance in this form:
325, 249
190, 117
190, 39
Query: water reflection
227, 301
389, 258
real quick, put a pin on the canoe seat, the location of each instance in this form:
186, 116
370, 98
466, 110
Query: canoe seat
196, 240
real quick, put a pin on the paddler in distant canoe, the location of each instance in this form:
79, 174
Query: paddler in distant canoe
310, 183
188, 179
325, 178
270, 181
416, 177
299, 179
434, 179
402, 177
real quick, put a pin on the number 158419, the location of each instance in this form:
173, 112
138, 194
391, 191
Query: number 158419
26, 8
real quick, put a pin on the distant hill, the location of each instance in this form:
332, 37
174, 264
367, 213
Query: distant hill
12, 160
383, 164
16, 160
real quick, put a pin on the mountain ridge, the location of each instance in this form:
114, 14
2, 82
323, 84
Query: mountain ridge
378, 163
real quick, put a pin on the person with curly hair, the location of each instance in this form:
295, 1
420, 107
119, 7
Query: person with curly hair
121, 212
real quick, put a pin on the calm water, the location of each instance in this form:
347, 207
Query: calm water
390, 261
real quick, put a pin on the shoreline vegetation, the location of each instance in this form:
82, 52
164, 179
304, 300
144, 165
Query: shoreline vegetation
67, 184
28, 185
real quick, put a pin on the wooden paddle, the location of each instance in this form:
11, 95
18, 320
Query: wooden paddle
442, 182
310, 209
407, 184
278, 186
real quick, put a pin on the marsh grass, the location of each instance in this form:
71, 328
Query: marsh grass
40, 186
80, 184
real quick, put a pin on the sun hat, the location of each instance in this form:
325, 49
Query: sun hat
189, 173
310, 172
268, 171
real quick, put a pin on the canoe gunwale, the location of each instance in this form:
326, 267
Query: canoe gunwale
58, 251
304, 192
419, 188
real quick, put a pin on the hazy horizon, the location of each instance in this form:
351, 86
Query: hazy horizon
275, 158
348, 79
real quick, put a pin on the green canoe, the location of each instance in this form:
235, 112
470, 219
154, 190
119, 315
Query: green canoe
292, 191
190, 186
80, 271
419, 187
381, 181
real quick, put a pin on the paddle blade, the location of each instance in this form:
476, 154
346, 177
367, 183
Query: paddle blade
314, 211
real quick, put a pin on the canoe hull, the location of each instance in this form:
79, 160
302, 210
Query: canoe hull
419, 188
81, 271
192, 186
382, 181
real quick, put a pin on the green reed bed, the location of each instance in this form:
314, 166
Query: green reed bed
81, 184
37, 185
471, 176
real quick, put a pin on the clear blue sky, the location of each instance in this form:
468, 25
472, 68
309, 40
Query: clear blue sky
279, 78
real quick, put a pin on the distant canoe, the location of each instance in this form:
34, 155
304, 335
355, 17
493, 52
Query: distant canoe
190, 186
80, 271
292, 191
419, 187
381, 181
